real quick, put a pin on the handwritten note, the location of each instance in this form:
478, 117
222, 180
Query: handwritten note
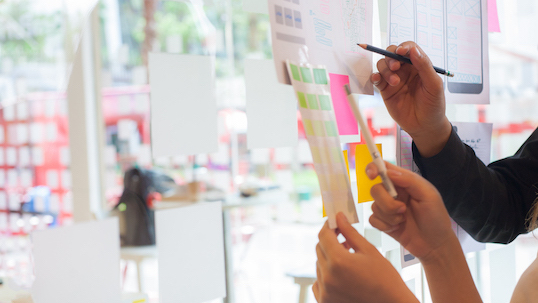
325, 33
477, 136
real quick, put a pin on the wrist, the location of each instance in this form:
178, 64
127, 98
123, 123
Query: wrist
443, 255
431, 141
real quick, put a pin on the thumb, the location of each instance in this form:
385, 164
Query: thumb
353, 238
417, 187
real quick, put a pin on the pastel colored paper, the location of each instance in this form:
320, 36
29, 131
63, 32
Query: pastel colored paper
364, 184
493, 17
319, 122
347, 125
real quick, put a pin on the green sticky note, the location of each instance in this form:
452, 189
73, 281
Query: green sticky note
312, 101
308, 127
318, 128
302, 99
331, 129
307, 75
295, 72
324, 102
320, 76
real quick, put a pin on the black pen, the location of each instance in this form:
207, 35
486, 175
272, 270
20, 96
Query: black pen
400, 58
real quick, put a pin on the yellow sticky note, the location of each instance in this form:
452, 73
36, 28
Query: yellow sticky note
364, 184
347, 162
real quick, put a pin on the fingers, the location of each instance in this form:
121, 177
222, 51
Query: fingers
386, 209
417, 187
315, 290
353, 238
382, 226
328, 242
423, 65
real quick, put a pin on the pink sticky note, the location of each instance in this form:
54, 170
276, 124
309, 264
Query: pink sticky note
493, 17
347, 125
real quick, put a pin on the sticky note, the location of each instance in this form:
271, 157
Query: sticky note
347, 161
271, 107
256, 6
347, 125
183, 102
191, 253
493, 17
364, 184
62, 277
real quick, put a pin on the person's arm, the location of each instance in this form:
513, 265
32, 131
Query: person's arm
490, 202
426, 232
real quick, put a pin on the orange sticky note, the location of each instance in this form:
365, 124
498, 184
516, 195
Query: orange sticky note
364, 184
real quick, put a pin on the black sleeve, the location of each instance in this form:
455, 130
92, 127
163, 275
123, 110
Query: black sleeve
490, 202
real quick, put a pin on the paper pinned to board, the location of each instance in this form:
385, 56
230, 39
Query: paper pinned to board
271, 107
453, 36
493, 17
347, 124
191, 253
312, 90
324, 33
183, 105
79, 263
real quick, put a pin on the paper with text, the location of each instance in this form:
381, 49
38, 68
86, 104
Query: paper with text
324, 33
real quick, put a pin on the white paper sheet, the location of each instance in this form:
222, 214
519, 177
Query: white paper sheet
324, 33
22, 133
2, 156
283, 155
271, 107
24, 156
183, 104
52, 178
433, 25
255, 6
36, 132
319, 120
126, 129
65, 155
191, 253
259, 156
3, 201
38, 158
11, 156
477, 136
22, 111
80, 263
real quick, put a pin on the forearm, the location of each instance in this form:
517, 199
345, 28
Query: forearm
448, 275
430, 142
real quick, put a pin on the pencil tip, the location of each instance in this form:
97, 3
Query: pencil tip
363, 45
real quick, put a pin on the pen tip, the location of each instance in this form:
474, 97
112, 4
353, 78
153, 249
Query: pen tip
363, 45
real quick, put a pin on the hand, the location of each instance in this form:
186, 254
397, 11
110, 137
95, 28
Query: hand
362, 276
417, 219
414, 97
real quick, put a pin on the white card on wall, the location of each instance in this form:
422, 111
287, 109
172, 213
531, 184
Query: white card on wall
12, 177
2, 156
283, 155
3, 200
24, 156
11, 156
256, 6
38, 158
79, 263
191, 253
260, 156
52, 178
183, 101
271, 107
65, 155
22, 111
52, 132
22, 133
26, 177
36, 132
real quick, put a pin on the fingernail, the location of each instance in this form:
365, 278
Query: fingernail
369, 172
394, 172
376, 82
419, 53
401, 210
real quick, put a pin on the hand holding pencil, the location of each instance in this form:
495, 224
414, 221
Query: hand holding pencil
414, 97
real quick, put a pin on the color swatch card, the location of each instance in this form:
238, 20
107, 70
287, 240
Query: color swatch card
183, 105
79, 263
271, 107
325, 33
191, 253
312, 89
